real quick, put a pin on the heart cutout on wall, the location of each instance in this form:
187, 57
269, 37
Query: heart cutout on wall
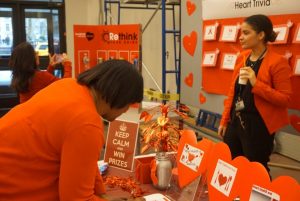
202, 98
189, 80
295, 122
192, 157
191, 7
89, 36
190, 42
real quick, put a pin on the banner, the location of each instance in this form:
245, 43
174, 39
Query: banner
219, 9
97, 43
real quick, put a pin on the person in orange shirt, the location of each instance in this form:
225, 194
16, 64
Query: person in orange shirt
259, 95
27, 79
50, 145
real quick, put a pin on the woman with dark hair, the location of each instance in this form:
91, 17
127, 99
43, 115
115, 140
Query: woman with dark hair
259, 95
50, 145
27, 79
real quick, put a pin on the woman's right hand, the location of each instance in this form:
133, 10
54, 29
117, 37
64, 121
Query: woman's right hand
221, 131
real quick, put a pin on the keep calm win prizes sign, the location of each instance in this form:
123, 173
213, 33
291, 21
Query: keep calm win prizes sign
121, 144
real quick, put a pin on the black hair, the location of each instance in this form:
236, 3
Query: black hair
118, 82
262, 23
23, 65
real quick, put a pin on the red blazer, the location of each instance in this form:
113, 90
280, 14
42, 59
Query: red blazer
271, 91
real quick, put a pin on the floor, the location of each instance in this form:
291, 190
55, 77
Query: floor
284, 166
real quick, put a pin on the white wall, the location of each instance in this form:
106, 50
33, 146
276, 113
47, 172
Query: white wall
79, 12
88, 12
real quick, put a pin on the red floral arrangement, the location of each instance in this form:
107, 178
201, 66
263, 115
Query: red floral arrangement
162, 134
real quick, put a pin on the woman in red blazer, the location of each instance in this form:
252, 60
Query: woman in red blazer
256, 108
27, 79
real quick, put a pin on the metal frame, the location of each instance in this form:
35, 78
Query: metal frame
163, 6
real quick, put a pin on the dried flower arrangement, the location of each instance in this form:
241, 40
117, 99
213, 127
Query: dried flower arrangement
162, 135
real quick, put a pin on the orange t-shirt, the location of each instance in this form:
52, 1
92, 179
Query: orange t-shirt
50, 145
41, 79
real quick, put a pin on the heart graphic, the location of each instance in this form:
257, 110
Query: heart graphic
89, 36
189, 80
190, 42
248, 175
185, 174
295, 122
256, 176
222, 179
191, 7
202, 98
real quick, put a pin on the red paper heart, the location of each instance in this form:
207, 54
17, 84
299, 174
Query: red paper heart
189, 80
202, 98
190, 42
191, 7
222, 179
256, 174
295, 122
185, 174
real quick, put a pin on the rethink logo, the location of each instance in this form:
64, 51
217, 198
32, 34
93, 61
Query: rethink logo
121, 37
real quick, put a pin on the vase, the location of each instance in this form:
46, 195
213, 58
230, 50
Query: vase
163, 171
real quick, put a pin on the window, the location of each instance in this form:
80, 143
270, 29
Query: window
39, 22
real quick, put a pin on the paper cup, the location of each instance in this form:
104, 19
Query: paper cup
242, 81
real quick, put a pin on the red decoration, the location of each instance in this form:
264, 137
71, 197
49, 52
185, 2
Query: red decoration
190, 43
126, 184
202, 98
162, 135
295, 122
189, 80
191, 7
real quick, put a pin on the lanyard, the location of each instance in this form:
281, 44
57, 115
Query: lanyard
254, 65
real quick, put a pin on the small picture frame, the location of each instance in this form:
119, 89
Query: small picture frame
282, 33
228, 61
210, 32
209, 59
296, 38
229, 33
296, 70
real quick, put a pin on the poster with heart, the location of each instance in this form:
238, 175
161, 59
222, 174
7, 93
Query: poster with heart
99, 43
223, 177
191, 157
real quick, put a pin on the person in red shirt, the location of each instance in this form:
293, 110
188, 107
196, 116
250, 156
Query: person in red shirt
27, 79
50, 145
257, 108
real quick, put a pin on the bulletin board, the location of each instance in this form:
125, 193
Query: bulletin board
216, 79
97, 43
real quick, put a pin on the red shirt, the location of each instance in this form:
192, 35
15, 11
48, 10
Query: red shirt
41, 79
50, 145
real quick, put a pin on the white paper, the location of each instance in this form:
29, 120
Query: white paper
261, 194
156, 197
229, 33
297, 67
281, 33
210, 32
229, 61
191, 157
209, 59
223, 177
